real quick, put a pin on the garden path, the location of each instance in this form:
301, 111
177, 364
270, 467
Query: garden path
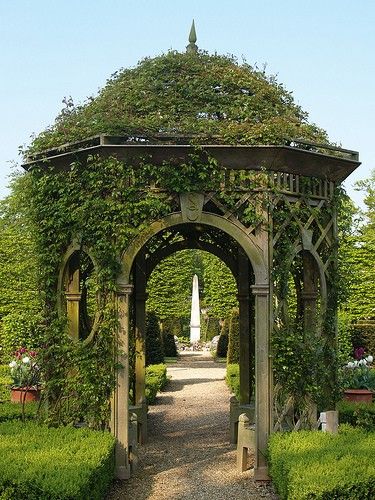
188, 456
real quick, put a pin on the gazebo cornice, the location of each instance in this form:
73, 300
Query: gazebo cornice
294, 159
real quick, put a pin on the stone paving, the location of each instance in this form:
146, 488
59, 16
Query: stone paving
188, 456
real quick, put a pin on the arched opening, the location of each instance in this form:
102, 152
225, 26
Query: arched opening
217, 243
300, 308
78, 297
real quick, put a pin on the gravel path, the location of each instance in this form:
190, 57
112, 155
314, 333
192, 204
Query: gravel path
188, 456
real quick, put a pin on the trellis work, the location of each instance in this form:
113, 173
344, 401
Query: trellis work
270, 216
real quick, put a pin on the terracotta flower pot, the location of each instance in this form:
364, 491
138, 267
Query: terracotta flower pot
358, 395
21, 394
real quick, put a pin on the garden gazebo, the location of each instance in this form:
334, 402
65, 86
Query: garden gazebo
117, 204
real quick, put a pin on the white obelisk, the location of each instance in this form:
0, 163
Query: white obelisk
195, 317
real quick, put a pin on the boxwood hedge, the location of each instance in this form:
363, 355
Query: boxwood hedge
40, 463
232, 379
156, 379
316, 465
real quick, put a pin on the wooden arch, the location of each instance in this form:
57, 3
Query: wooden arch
255, 248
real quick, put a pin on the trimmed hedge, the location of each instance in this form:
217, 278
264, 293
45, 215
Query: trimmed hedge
321, 466
233, 354
232, 379
13, 411
40, 463
357, 414
156, 380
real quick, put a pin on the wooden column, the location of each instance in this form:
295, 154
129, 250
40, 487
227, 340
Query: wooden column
73, 296
140, 330
244, 327
140, 347
263, 391
309, 294
120, 408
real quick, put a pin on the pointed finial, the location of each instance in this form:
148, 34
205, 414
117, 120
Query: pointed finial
192, 47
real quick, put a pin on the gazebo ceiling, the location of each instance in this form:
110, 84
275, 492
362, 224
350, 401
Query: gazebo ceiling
303, 158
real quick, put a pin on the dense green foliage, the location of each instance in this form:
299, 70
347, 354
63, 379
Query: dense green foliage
219, 288
14, 411
363, 333
222, 345
317, 465
357, 414
20, 305
169, 345
360, 259
156, 380
233, 355
40, 463
170, 285
186, 94
232, 379
213, 328
154, 342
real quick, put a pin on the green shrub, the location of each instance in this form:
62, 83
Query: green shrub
233, 379
19, 330
156, 379
233, 355
5, 382
154, 345
213, 328
357, 414
13, 411
363, 335
317, 465
222, 345
40, 463
168, 333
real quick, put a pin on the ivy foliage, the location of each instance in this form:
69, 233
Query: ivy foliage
206, 95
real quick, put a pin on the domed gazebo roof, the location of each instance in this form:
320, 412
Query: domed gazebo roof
186, 98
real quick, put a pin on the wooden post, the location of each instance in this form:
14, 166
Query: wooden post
140, 346
120, 408
263, 391
73, 296
244, 327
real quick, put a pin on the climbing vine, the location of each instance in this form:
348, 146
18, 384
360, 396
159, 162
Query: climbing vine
103, 203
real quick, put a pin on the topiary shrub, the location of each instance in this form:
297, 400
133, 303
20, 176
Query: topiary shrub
169, 345
168, 333
222, 345
233, 355
213, 328
154, 344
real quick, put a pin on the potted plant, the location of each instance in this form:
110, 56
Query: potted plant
358, 378
25, 373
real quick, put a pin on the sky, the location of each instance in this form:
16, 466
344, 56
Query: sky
322, 50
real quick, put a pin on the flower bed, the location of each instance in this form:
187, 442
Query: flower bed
321, 466
37, 462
